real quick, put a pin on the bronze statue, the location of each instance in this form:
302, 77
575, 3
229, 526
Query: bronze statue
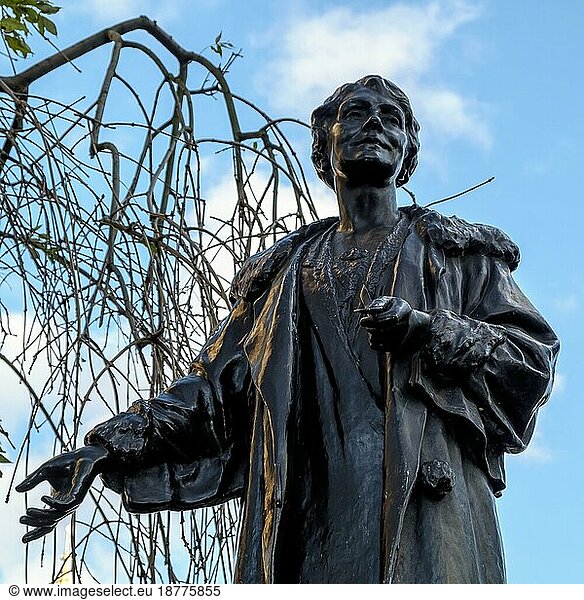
361, 394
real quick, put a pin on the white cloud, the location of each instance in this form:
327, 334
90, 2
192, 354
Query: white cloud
560, 384
318, 53
13, 554
221, 197
448, 112
566, 304
15, 409
538, 452
15, 403
35, 562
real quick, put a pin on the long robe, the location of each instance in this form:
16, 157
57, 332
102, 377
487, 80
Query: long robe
451, 407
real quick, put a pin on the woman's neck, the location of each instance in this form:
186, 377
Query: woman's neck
363, 208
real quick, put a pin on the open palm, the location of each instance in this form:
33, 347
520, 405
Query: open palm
70, 475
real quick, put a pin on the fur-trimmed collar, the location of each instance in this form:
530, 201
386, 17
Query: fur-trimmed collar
258, 271
455, 236
458, 237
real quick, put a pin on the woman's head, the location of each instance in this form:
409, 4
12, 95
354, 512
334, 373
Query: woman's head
324, 117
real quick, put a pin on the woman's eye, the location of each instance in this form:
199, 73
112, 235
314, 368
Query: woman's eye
353, 114
391, 118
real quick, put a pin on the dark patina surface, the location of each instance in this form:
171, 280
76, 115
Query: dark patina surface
361, 394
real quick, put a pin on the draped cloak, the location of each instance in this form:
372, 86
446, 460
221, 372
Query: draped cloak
451, 406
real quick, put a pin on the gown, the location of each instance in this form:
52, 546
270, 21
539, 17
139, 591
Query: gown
352, 465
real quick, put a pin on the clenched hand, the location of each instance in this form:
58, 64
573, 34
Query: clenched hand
391, 322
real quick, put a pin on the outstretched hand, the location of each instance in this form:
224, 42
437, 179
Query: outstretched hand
70, 475
391, 321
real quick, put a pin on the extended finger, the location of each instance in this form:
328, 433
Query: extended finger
49, 520
39, 512
32, 480
378, 322
67, 503
35, 534
377, 318
46, 517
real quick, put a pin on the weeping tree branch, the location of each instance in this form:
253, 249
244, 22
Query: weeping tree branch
115, 269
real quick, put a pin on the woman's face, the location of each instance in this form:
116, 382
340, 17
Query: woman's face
368, 139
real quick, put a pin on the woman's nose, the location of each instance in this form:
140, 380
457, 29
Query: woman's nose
373, 122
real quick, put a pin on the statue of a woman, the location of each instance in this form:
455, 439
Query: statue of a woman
361, 394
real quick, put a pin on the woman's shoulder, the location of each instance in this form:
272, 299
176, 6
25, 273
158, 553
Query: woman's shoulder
458, 237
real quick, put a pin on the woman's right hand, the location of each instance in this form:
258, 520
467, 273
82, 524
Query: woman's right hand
70, 475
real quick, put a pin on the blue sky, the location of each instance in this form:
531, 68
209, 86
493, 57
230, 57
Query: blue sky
498, 90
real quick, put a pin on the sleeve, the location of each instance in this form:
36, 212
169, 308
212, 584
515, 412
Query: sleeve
493, 364
187, 447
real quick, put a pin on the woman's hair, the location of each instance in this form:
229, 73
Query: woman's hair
325, 115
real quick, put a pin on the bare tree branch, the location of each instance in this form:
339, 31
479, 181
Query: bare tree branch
116, 255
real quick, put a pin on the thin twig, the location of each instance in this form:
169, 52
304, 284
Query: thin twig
471, 189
